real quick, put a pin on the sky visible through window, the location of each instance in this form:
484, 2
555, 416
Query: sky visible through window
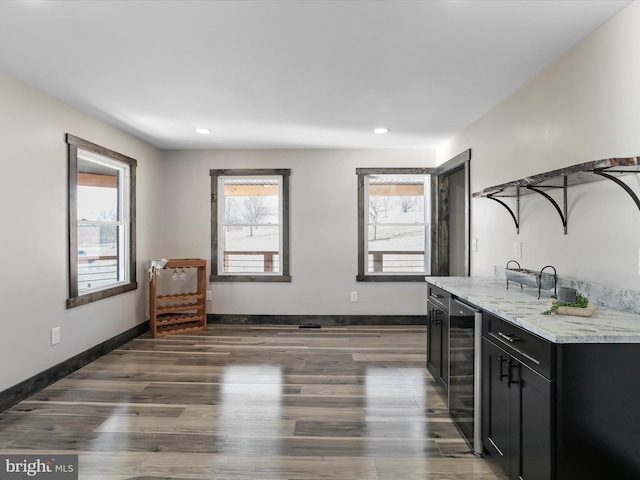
97, 203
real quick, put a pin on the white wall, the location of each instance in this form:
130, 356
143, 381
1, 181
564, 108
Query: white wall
323, 216
33, 257
585, 106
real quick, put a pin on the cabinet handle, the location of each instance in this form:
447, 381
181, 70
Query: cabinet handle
509, 337
510, 366
502, 360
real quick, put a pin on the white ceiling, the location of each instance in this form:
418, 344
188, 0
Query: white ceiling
289, 74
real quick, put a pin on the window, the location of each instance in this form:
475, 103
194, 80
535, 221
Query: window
250, 225
394, 224
101, 222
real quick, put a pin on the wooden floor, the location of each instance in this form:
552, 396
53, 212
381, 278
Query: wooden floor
252, 402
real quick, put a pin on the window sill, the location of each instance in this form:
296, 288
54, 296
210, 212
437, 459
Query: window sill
250, 278
99, 295
390, 278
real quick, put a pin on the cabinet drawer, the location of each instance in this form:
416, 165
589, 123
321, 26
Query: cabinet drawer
533, 351
439, 297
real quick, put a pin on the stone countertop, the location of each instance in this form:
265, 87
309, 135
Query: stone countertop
523, 308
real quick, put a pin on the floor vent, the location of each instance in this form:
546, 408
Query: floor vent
312, 325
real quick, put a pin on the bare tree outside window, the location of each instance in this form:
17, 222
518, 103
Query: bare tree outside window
377, 206
109, 215
253, 211
408, 203
230, 211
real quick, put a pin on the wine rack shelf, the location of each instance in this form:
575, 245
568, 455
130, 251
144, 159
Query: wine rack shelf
175, 313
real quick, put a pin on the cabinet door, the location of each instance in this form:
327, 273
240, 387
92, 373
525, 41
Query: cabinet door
496, 404
531, 424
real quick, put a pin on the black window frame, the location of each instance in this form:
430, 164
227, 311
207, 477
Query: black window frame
284, 275
75, 299
362, 174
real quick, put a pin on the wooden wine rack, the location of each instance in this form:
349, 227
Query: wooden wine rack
179, 312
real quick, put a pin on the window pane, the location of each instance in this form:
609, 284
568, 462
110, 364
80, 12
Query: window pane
254, 210
97, 256
396, 212
251, 202
97, 204
251, 249
396, 248
396, 199
385, 209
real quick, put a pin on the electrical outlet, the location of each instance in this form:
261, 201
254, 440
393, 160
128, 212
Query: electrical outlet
474, 244
517, 250
209, 296
55, 336
354, 296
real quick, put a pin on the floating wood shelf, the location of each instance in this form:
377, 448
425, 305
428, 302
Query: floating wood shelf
179, 312
609, 168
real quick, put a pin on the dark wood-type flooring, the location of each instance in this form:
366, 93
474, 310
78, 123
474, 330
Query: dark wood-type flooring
252, 402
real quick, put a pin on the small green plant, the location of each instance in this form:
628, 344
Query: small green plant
581, 302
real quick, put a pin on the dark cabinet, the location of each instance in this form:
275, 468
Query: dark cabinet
517, 423
596, 410
517, 420
549, 411
438, 335
559, 411
496, 426
534, 431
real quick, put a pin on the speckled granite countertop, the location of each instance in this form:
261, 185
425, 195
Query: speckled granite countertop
523, 308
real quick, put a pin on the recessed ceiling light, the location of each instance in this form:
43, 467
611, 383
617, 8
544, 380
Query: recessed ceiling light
203, 131
380, 130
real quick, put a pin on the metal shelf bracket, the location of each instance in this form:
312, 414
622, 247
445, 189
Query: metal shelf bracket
515, 215
562, 212
626, 187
